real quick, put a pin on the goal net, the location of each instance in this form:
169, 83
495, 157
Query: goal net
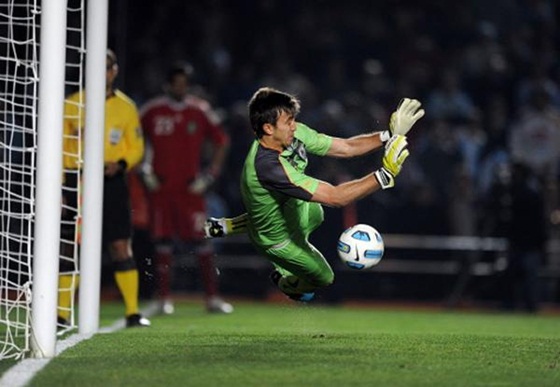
19, 83
71, 212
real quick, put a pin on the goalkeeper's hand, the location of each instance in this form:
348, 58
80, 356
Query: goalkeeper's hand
406, 115
220, 227
201, 183
393, 159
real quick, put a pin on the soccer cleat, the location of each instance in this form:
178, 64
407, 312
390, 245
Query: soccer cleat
217, 305
301, 297
275, 277
62, 322
306, 297
166, 307
136, 320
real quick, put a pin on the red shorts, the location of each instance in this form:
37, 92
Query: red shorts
177, 215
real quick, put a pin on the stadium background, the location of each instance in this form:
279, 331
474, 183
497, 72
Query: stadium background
350, 63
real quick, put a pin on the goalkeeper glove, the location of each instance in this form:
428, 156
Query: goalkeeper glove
402, 119
406, 115
201, 183
220, 227
393, 159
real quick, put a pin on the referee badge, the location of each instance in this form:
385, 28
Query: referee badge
115, 135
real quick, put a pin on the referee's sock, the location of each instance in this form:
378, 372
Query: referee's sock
126, 277
67, 285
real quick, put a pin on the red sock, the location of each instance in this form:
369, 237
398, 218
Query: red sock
208, 272
163, 270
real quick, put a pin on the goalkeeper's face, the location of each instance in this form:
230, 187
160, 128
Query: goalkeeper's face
284, 129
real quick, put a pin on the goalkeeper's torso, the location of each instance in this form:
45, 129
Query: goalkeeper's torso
275, 188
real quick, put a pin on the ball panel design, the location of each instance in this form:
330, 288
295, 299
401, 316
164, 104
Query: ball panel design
373, 254
361, 235
355, 265
343, 247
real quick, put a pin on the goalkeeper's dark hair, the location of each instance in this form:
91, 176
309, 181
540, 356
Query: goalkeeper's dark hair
267, 104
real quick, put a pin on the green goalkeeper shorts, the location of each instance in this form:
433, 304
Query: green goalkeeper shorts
299, 257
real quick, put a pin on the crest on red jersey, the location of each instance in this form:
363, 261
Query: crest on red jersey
191, 127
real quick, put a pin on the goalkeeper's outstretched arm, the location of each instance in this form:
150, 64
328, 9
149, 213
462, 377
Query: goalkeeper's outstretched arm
384, 178
402, 120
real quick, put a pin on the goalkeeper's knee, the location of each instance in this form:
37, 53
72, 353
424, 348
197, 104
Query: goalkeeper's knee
323, 279
220, 227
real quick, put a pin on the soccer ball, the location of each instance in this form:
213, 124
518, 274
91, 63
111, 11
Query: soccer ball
360, 247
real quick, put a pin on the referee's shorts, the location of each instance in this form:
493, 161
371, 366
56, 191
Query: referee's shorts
117, 223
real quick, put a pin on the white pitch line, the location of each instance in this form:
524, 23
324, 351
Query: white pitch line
22, 373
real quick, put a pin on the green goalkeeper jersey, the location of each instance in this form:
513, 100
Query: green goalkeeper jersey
275, 188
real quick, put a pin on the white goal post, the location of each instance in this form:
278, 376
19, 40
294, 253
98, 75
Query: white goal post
40, 64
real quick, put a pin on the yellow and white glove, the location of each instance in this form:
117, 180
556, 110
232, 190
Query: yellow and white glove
402, 119
393, 159
406, 115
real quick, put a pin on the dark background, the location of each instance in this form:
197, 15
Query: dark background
484, 70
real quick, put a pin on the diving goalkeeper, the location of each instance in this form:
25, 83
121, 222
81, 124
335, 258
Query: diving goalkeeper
284, 204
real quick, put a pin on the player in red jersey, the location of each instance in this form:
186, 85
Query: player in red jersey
178, 126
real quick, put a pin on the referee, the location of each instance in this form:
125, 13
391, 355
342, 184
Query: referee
124, 148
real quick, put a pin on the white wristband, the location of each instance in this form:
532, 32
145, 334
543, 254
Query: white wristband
384, 136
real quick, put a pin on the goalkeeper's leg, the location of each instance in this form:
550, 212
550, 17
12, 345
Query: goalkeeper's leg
300, 270
221, 227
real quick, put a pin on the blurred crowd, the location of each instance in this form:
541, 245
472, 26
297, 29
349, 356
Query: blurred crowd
487, 72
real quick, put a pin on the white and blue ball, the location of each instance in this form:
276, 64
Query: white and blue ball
360, 247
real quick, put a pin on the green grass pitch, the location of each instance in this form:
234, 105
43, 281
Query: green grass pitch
264, 344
